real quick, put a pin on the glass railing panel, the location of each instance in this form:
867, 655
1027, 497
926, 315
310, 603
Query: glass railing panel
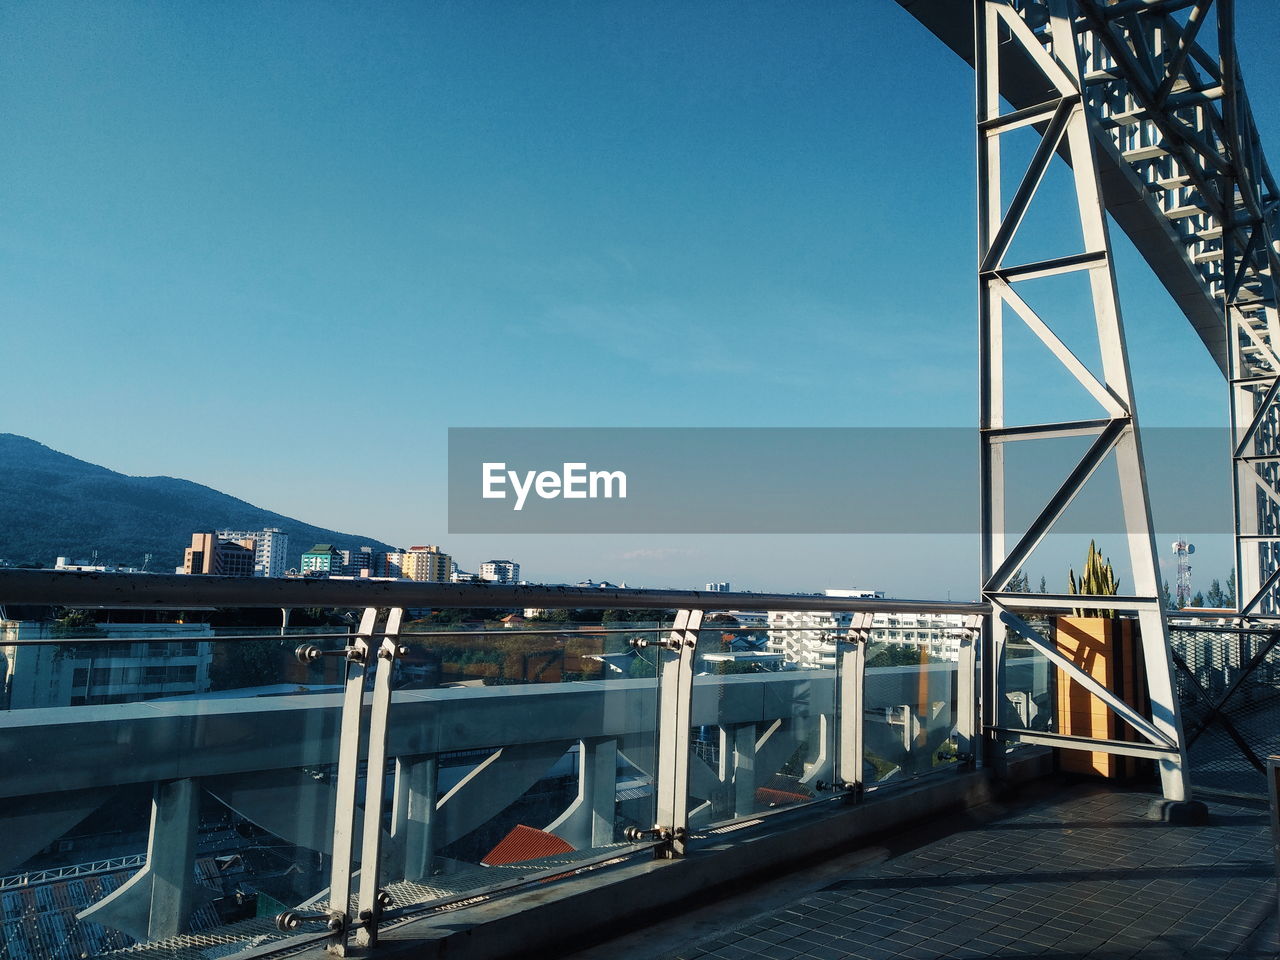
764, 712
909, 700
1028, 683
514, 651
517, 750
209, 744
1038, 696
48, 664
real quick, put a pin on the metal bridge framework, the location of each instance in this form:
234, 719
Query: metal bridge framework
1145, 100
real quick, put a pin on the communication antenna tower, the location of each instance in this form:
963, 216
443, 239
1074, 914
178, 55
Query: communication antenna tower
1183, 550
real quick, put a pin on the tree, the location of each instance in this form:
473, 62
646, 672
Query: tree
1198, 599
1166, 598
1044, 587
1019, 583
553, 616
250, 663
640, 667
1215, 597
1229, 591
897, 655
74, 623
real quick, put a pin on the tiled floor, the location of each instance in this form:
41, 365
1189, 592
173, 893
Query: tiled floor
1083, 874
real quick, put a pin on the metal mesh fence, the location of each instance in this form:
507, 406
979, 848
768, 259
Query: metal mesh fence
1229, 687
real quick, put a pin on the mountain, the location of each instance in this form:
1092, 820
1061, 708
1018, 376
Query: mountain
54, 505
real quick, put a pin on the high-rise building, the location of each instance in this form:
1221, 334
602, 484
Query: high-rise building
358, 563
270, 549
211, 555
388, 564
721, 586
428, 563
500, 571
322, 560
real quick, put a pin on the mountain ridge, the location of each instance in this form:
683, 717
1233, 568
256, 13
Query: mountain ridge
53, 504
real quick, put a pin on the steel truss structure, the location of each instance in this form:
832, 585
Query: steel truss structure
1045, 38
1202, 150
1181, 116
1179, 166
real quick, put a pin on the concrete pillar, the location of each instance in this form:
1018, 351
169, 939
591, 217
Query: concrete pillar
598, 780
588, 821
414, 820
157, 900
171, 850
742, 740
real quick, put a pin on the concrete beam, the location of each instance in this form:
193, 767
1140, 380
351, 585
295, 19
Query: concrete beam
60, 749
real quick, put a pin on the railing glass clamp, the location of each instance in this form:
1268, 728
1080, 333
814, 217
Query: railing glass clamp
291, 920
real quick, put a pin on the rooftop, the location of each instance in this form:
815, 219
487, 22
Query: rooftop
1067, 871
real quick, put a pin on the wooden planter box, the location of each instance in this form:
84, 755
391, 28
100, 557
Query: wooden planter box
1108, 650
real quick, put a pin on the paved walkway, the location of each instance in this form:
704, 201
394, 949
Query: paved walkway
1083, 874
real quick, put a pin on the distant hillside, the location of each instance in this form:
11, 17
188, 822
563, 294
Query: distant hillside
54, 505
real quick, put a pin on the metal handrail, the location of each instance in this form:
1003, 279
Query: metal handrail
176, 591
582, 630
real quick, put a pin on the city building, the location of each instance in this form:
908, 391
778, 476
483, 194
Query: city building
721, 586
270, 549
936, 635
358, 563
211, 555
500, 571
427, 563
808, 638
322, 560
388, 564
134, 666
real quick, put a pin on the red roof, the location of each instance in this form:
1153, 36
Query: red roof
781, 790
525, 843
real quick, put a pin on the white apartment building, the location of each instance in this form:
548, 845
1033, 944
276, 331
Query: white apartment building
270, 549
814, 646
938, 633
806, 638
500, 571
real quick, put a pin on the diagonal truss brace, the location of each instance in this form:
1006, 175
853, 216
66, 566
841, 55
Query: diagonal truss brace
1086, 680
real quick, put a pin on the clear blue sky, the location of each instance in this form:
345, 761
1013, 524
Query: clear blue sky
280, 248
